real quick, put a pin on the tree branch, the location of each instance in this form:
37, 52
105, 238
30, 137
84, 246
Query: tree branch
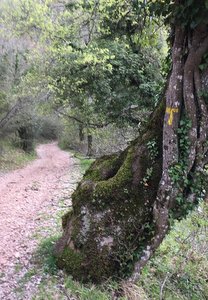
10, 114
86, 124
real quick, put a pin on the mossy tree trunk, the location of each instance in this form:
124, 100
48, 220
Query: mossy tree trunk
122, 207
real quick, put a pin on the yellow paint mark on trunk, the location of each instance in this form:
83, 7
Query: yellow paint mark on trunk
171, 111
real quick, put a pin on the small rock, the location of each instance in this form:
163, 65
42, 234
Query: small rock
17, 255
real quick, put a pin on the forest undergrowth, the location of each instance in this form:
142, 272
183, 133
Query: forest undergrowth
12, 157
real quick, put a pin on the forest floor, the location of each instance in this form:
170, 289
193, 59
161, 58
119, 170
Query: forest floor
29, 201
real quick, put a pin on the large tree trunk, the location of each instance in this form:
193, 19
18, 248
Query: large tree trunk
121, 208
185, 130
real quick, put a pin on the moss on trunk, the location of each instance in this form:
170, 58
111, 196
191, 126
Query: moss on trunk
112, 219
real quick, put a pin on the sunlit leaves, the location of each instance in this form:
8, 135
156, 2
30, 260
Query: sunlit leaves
97, 50
27, 16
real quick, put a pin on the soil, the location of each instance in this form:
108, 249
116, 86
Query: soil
29, 199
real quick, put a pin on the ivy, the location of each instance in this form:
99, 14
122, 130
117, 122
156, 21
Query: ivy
194, 182
178, 171
153, 149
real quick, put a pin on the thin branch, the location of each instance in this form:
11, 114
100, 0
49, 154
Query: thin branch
86, 124
162, 286
10, 114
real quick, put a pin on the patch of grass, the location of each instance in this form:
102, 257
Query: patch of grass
28, 276
179, 268
12, 157
44, 256
66, 288
48, 290
84, 162
86, 292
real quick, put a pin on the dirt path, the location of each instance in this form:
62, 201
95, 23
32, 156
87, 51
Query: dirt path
25, 196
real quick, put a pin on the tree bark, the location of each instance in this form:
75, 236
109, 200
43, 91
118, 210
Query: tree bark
185, 78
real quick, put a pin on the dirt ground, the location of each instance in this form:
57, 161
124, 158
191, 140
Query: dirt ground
26, 195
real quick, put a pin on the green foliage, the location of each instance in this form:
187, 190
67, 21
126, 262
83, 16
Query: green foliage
82, 63
189, 13
105, 80
179, 268
48, 128
147, 176
178, 171
196, 183
152, 147
27, 16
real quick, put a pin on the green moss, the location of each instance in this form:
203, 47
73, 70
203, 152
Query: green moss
109, 190
104, 168
82, 195
72, 262
66, 218
93, 266
100, 267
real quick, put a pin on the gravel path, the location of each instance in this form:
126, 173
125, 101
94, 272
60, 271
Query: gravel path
29, 200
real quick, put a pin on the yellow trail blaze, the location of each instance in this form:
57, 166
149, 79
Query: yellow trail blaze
171, 111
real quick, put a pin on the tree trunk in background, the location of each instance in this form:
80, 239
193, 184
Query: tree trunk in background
81, 133
89, 145
26, 138
121, 208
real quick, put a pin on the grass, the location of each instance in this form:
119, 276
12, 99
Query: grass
67, 288
179, 268
44, 256
12, 157
85, 162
